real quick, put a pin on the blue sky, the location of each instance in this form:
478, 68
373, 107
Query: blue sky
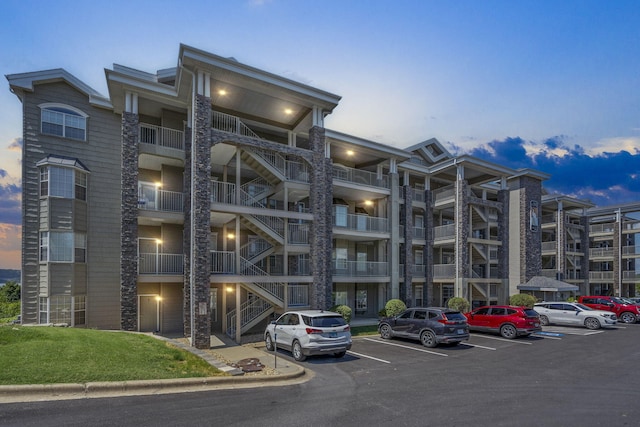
551, 85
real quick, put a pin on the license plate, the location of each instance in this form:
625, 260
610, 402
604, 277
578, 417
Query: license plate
460, 331
536, 324
333, 335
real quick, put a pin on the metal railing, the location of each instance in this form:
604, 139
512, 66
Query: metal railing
418, 194
549, 246
298, 234
360, 222
601, 252
444, 193
165, 201
601, 275
601, 228
418, 233
254, 248
223, 192
631, 274
161, 136
362, 177
223, 262
249, 310
444, 271
159, 263
298, 295
442, 232
360, 268
231, 124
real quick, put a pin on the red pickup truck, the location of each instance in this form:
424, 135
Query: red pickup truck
627, 313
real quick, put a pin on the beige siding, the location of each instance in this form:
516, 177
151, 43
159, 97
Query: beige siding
171, 308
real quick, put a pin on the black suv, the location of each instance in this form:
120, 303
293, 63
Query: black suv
430, 325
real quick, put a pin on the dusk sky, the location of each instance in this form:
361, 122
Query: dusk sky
550, 85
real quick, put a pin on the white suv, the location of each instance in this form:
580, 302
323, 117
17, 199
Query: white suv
571, 313
309, 332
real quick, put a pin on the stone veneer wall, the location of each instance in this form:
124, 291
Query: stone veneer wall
503, 236
531, 244
201, 223
617, 261
129, 224
561, 236
321, 200
186, 236
462, 248
406, 290
427, 297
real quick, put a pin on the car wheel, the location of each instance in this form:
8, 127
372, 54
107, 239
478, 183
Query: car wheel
508, 331
592, 323
544, 320
628, 317
296, 350
339, 354
268, 342
385, 332
428, 339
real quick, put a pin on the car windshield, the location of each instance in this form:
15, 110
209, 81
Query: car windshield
583, 307
327, 321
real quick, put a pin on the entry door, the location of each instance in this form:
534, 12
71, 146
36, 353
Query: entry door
148, 313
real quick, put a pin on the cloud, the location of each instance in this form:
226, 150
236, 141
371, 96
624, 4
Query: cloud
11, 196
605, 177
15, 145
10, 246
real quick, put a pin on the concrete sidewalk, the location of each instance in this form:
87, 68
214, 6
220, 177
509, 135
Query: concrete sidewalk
223, 354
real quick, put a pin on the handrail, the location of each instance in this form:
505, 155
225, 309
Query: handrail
161, 136
358, 176
230, 124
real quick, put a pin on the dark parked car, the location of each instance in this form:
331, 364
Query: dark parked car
430, 325
508, 321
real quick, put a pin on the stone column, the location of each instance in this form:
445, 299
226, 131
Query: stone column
200, 224
186, 236
394, 242
584, 244
462, 233
406, 290
531, 244
129, 224
503, 236
321, 201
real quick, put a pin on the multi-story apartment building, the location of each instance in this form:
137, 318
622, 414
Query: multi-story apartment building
206, 197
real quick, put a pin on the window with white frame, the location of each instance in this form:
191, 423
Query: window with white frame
67, 183
62, 246
340, 298
63, 120
62, 309
79, 310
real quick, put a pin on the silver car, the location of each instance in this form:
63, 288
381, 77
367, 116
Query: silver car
309, 332
572, 313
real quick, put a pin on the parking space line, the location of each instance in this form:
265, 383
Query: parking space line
503, 339
476, 345
547, 337
368, 357
593, 332
407, 347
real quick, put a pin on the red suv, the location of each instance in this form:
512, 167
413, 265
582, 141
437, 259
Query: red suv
510, 321
627, 313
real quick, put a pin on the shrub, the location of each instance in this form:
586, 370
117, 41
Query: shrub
344, 310
459, 303
523, 300
393, 307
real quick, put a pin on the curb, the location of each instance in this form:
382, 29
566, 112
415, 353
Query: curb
20, 393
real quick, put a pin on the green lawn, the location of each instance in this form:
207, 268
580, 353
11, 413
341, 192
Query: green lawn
364, 330
47, 355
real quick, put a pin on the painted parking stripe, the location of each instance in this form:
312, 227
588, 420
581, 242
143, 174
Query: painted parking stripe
368, 357
549, 336
407, 347
502, 339
476, 345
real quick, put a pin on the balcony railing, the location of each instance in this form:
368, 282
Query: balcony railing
298, 234
631, 275
444, 193
631, 250
418, 194
358, 176
161, 136
418, 233
159, 263
162, 200
223, 262
444, 271
360, 268
361, 223
631, 225
223, 192
601, 228
443, 232
601, 252
298, 295
601, 275
549, 246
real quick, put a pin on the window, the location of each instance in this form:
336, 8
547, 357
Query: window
60, 309
43, 305
63, 182
63, 121
62, 246
79, 310
341, 216
340, 297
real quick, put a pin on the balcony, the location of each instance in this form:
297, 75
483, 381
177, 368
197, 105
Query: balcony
631, 275
223, 262
550, 246
601, 253
161, 136
159, 263
601, 275
360, 268
360, 222
359, 177
298, 234
444, 271
444, 194
444, 232
161, 201
601, 229
631, 250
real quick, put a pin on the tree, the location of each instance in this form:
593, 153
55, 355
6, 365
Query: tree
10, 292
459, 303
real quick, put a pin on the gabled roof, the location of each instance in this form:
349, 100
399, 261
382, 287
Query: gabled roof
547, 284
430, 151
71, 162
26, 81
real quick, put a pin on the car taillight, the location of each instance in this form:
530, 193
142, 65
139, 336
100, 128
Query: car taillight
446, 321
313, 331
